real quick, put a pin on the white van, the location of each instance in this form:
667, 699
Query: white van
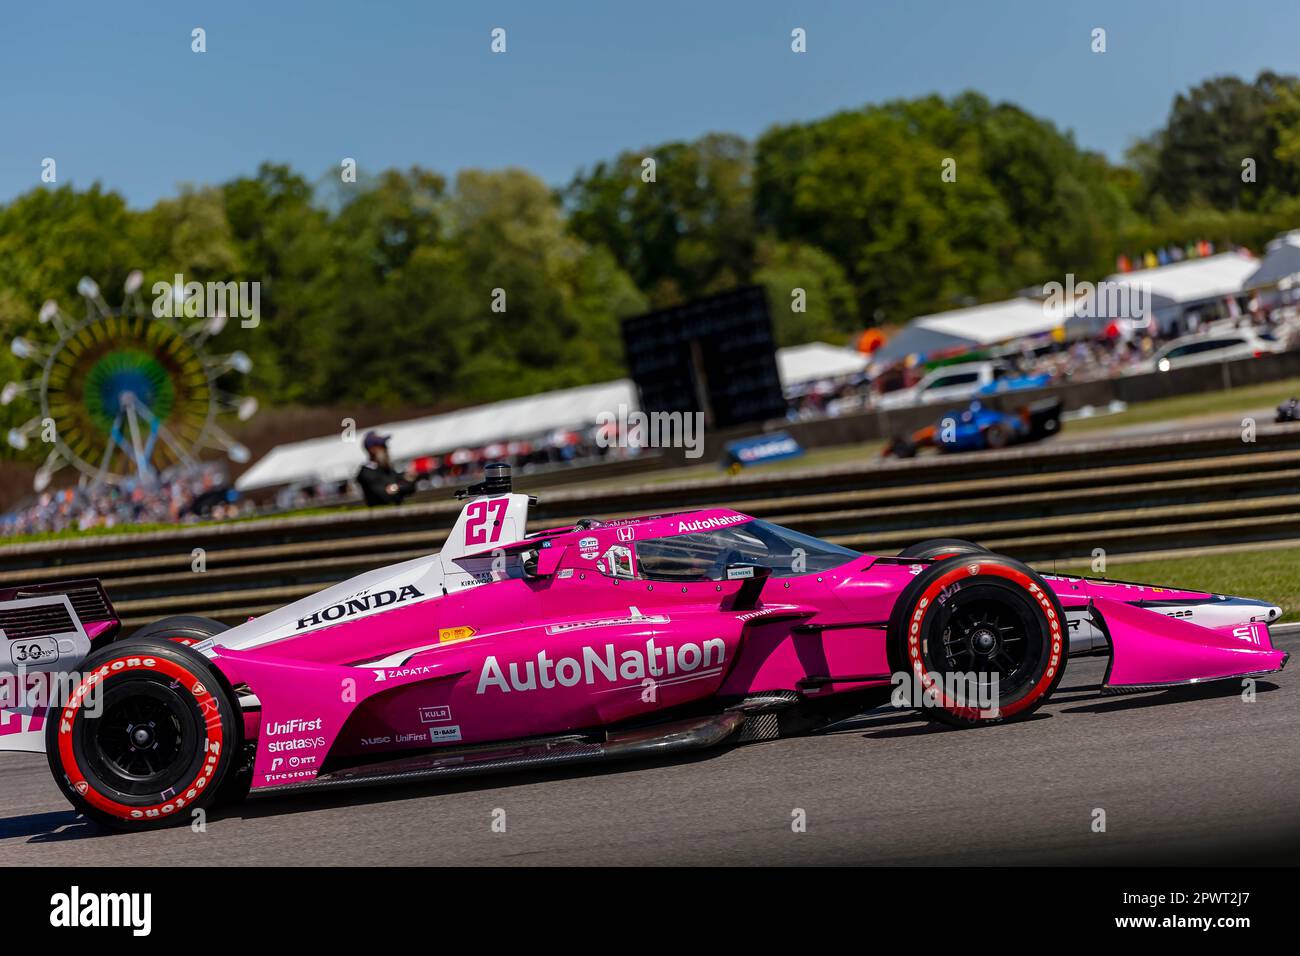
951, 383
1208, 348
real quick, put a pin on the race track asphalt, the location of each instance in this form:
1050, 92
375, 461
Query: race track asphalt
1184, 777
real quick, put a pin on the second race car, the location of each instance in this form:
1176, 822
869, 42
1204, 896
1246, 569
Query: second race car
979, 427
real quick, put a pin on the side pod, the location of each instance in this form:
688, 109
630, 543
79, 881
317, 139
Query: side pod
1149, 649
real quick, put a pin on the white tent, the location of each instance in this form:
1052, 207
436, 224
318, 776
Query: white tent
333, 459
816, 361
1281, 263
979, 325
1171, 288
1178, 288
993, 322
1194, 280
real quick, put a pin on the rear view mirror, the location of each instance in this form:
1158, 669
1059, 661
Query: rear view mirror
541, 562
753, 577
529, 563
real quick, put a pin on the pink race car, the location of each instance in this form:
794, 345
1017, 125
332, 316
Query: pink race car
602, 640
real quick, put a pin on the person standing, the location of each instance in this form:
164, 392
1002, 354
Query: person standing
379, 481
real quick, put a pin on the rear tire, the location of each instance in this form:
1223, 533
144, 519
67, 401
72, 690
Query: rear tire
180, 628
934, 549
187, 630
968, 619
996, 436
145, 739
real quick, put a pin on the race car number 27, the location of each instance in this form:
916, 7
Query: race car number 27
483, 520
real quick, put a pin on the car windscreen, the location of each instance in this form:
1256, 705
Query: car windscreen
964, 378
1209, 345
705, 555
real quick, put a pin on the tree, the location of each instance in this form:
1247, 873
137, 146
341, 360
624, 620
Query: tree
928, 202
475, 294
866, 187
284, 243
688, 232
1197, 156
828, 306
393, 310
50, 238
190, 235
562, 298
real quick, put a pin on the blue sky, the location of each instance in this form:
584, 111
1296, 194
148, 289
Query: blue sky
113, 93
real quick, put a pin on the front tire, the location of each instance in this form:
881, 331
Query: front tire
145, 738
934, 549
901, 446
981, 639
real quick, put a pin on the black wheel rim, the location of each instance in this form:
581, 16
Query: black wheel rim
990, 631
144, 741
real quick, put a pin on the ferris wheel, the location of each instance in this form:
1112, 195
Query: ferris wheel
123, 393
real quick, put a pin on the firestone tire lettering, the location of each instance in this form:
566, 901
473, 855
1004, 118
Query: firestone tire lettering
935, 591
213, 742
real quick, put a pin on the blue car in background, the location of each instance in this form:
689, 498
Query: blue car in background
978, 427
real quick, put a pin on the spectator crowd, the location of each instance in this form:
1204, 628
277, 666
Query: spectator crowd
179, 495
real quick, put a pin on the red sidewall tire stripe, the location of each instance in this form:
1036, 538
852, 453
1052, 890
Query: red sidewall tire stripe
916, 619
209, 708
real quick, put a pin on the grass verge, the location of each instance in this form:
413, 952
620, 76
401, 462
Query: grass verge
1266, 575
1244, 399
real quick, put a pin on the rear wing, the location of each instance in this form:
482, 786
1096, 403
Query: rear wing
89, 603
46, 631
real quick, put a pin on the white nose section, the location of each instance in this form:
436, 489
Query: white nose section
1249, 610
